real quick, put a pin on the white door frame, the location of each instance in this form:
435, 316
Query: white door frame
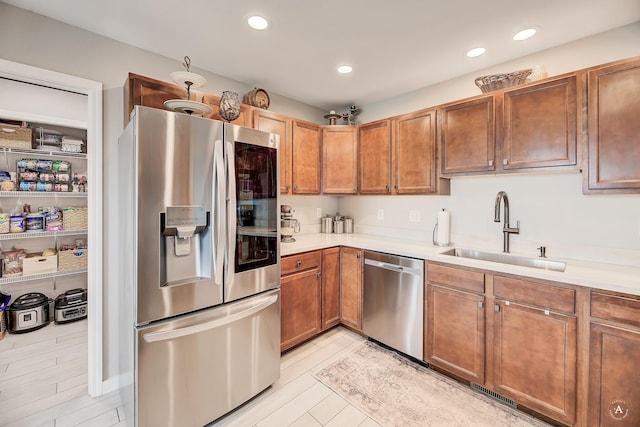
93, 90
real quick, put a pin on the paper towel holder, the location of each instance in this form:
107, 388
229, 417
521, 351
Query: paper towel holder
434, 240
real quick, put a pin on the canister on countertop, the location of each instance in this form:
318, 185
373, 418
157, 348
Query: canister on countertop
327, 225
348, 224
338, 226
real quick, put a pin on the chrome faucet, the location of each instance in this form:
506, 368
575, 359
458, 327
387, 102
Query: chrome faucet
506, 230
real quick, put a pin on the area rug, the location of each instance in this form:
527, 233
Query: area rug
397, 392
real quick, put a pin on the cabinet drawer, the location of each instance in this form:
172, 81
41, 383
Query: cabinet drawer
300, 262
616, 308
546, 296
472, 281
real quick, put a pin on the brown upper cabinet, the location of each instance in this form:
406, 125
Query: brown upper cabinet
526, 128
374, 157
398, 155
614, 128
282, 125
413, 145
141, 90
339, 160
466, 134
306, 157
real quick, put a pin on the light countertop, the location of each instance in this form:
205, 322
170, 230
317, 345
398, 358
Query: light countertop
611, 277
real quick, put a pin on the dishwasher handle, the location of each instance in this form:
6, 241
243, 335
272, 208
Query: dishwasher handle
393, 267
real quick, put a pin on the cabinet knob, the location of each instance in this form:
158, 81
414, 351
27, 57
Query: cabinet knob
395, 187
386, 188
299, 263
319, 274
295, 187
288, 187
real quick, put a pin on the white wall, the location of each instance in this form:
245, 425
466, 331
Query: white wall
35, 40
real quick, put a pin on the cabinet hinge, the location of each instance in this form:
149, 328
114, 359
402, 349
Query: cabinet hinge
480, 304
496, 308
505, 161
490, 162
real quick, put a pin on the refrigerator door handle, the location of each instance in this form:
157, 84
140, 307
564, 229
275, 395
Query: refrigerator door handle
217, 323
231, 212
219, 212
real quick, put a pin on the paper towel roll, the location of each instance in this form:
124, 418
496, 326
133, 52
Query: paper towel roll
442, 235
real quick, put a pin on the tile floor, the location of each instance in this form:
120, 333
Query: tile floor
43, 383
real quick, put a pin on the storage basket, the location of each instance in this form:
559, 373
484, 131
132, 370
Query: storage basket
75, 218
501, 81
75, 259
15, 136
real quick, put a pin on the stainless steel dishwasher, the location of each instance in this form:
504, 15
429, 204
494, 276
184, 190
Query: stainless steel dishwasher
393, 301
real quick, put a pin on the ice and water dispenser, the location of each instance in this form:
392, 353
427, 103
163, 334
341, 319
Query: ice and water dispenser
186, 246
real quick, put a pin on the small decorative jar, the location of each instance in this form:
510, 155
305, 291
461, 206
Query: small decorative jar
229, 106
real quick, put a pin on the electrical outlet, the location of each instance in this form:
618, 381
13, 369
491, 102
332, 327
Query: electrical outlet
319, 213
414, 215
380, 214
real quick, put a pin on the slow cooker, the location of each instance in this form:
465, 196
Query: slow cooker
71, 306
28, 312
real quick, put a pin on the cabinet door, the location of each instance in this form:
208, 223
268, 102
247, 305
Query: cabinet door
534, 354
614, 128
374, 157
455, 335
244, 119
306, 158
301, 313
614, 382
414, 153
351, 287
466, 133
330, 287
140, 90
339, 160
277, 123
540, 125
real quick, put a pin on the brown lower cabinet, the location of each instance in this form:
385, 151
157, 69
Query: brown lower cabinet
330, 287
614, 377
515, 337
351, 270
310, 292
300, 288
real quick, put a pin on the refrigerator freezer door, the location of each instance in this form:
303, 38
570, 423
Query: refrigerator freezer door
192, 370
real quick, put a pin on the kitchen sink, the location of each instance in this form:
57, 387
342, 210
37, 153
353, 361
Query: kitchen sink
541, 263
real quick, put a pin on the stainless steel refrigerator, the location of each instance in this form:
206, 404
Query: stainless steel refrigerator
199, 266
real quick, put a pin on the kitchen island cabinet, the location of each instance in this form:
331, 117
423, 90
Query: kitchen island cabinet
351, 272
339, 160
614, 379
455, 321
301, 310
614, 129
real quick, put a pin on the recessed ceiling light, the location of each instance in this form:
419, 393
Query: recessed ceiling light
345, 69
476, 51
525, 34
257, 22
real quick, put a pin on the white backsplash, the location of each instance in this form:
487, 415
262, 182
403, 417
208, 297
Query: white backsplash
551, 209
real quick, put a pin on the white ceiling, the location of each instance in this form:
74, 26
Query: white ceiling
394, 46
